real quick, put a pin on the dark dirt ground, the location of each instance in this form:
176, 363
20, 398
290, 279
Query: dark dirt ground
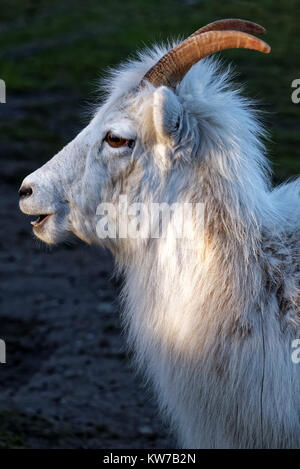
68, 382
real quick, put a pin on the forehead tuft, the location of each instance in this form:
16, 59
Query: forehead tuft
121, 80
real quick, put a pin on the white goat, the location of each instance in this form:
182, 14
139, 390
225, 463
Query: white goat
212, 326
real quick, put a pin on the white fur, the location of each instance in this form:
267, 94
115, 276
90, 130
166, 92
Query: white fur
212, 327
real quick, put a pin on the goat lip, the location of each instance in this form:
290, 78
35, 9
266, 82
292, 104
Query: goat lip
41, 220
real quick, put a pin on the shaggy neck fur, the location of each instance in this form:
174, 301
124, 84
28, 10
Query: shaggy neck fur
202, 324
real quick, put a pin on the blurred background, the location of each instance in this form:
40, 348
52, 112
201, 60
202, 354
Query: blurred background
68, 381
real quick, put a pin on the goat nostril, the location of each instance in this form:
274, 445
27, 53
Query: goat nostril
25, 191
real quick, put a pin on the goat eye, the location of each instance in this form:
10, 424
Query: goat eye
116, 142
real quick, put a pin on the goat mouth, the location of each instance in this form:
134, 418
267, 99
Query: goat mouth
41, 220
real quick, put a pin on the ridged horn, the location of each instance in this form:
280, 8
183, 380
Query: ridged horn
233, 24
173, 66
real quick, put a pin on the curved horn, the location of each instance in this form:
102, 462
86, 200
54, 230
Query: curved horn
172, 67
233, 24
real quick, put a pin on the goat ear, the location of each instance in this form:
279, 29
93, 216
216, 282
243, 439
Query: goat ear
167, 114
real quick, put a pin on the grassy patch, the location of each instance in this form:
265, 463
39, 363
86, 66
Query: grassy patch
15, 427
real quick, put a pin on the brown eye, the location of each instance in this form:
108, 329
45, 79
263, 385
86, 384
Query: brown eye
116, 142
